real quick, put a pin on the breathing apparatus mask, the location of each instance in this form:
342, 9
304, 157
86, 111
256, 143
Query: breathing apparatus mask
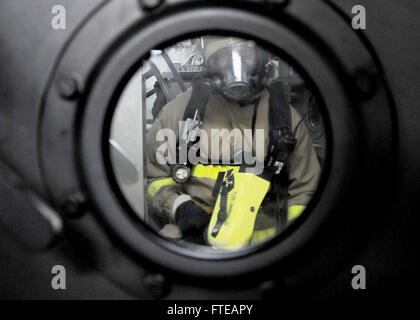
237, 69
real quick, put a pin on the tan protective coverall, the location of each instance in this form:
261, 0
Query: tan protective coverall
304, 168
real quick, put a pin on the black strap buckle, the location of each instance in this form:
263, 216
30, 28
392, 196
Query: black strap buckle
282, 143
227, 186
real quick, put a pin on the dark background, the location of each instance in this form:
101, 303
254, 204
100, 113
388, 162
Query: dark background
28, 50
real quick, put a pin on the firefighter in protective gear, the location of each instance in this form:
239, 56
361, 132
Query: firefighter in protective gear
239, 100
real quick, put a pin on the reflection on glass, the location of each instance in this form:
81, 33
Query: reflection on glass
217, 144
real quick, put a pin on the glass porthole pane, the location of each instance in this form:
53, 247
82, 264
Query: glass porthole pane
217, 143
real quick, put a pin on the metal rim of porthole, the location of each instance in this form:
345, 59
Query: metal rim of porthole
89, 77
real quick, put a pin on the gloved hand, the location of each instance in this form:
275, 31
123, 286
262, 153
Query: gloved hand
191, 218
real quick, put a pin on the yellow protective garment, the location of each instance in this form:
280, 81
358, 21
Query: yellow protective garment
242, 204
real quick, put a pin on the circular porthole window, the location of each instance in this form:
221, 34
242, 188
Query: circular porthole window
217, 143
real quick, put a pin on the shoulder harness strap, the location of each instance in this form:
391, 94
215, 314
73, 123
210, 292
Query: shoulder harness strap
192, 121
282, 143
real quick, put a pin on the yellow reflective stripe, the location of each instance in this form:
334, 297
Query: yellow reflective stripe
155, 186
294, 212
211, 171
260, 235
199, 171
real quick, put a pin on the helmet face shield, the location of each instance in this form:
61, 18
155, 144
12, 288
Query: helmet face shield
239, 71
